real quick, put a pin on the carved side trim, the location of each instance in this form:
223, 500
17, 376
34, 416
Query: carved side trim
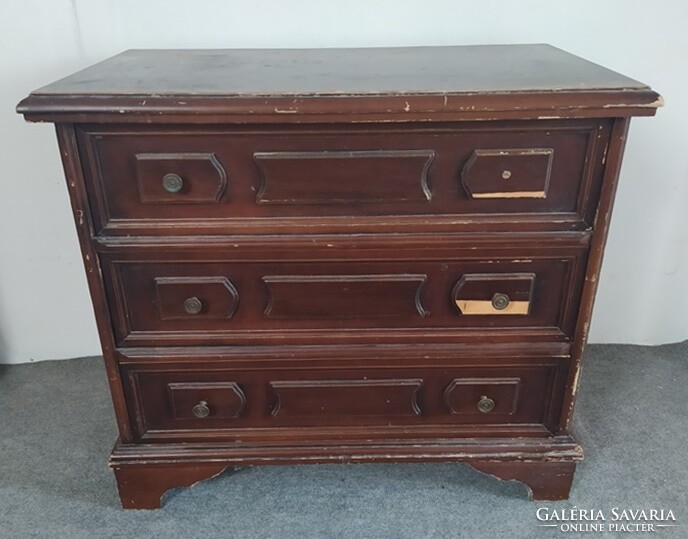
73, 164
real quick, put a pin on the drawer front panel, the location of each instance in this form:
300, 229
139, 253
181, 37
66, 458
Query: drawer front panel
189, 302
166, 181
221, 398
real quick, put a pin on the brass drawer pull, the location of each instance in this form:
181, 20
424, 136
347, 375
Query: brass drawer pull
500, 301
201, 410
486, 404
172, 183
193, 305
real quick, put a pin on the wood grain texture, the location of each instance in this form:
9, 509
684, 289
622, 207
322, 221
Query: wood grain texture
320, 281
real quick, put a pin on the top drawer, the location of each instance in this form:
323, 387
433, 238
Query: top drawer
488, 176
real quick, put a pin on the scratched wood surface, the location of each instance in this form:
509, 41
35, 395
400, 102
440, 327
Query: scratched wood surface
398, 84
403, 70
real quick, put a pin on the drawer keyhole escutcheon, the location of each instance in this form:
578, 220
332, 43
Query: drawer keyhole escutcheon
485, 404
500, 301
201, 410
506, 174
193, 305
172, 183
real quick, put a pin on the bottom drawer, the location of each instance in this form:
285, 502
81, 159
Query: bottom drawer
222, 402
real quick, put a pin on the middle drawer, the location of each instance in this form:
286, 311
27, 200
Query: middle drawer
435, 298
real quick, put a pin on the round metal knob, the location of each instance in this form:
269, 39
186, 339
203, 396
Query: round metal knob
172, 183
506, 174
485, 404
201, 410
500, 301
193, 305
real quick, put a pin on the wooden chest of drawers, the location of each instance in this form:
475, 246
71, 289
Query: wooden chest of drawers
304, 256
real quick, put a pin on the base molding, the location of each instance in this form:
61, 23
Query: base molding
144, 472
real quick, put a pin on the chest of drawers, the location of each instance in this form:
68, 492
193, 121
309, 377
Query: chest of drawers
344, 255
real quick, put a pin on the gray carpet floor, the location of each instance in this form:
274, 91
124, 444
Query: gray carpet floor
57, 429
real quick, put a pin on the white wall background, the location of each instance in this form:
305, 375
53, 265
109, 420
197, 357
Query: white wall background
45, 311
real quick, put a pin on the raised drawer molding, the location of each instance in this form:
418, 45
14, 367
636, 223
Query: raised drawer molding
516, 173
343, 177
346, 398
342, 255
344, 296
187, 178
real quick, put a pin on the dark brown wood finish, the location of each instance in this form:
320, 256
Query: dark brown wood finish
550, 480
76, 185
602, 219
353, 399
145, 473
143, 486
321, 179
294, 261
251, 302
320, 86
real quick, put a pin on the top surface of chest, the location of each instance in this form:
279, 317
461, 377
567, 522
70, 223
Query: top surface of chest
374, 71
322, 85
